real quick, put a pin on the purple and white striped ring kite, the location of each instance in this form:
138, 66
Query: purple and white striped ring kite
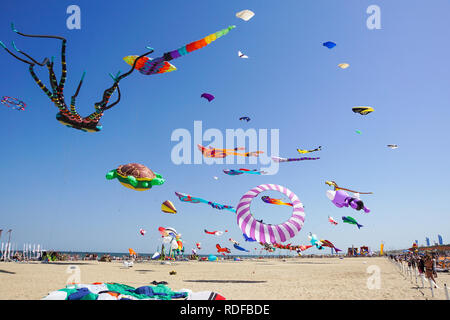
268, 233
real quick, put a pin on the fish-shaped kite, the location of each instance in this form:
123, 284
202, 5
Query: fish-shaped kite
150, 66
207, 96
392, 146
327, 243
211, 152
308, 151
267, 199
332, 221
245, 118
223, 250
351, 220
278, 159
188, 198
233, 172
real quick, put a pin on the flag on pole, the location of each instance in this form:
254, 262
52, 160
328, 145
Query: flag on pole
428, 241
440, 239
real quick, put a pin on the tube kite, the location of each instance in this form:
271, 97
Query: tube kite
267, 199
308, 151
188, 198
222, 153
168, 207
268, 233
161, 64
278, 159
233, 172
351, 220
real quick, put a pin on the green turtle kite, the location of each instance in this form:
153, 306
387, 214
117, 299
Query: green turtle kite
136, 176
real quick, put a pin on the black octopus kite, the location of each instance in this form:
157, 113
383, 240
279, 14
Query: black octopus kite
66, 116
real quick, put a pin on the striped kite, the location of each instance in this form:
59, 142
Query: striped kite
267, 199
211, 152
278, 159
233, 172
188, 198
150, 66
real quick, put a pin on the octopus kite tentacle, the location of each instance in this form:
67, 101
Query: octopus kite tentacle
66, 116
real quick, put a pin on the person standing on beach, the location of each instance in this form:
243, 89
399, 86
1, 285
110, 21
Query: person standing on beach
429, 269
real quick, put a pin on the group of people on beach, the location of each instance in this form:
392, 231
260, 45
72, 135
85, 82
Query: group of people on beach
425, 264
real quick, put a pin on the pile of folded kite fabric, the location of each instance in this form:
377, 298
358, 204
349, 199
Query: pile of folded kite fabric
117, 291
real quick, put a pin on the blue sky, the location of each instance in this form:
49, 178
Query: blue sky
54, 190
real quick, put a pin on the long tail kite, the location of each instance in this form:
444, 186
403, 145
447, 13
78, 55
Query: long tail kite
150, 66
267, 199
222, 153
188, 198
237, 247
233, 172
308, 151
216, 233
278, 159
336, 187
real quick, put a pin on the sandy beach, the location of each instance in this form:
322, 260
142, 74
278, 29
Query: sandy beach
289, 279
